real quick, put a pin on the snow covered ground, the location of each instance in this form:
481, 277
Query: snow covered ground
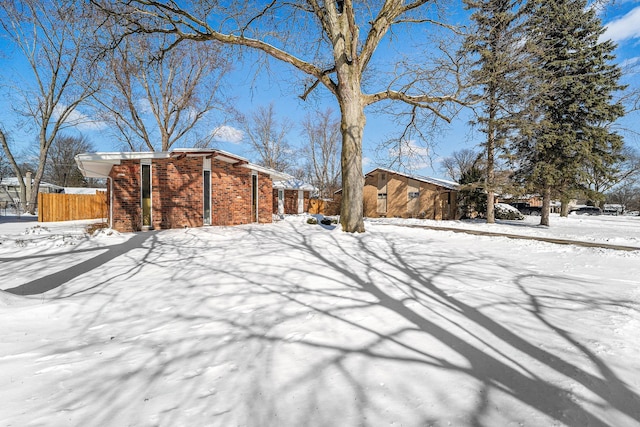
291, 324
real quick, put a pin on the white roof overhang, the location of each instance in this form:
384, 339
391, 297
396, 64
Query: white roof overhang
98, 165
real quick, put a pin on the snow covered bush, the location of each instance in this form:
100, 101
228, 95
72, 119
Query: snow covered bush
504, 211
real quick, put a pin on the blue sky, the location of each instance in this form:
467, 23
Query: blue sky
622, 18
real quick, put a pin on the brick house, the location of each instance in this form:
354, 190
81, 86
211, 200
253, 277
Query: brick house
181, 188
390, 194
291, 196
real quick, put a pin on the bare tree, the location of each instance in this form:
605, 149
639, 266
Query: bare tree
461, 162
624, 169
157, 99
5, 166
323, 41
321, 131
51, 35
268, 138
627, 195
61, 168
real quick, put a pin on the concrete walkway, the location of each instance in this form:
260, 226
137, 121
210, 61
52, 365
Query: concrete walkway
522, 237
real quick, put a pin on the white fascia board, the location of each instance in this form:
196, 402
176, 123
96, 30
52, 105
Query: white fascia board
293, 184
98, 165
117, 156
217, 154
274, 174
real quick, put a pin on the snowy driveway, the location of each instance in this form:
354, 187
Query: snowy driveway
295, 325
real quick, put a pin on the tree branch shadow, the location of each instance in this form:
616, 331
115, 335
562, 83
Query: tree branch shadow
240, 338
59, 278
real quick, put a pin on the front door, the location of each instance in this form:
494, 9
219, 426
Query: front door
382, 194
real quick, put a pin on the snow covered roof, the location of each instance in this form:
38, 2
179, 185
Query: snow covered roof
98, 165
450, 185
293, 184
13, 182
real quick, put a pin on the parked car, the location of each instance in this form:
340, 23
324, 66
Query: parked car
611, 211
526, 209
588, 210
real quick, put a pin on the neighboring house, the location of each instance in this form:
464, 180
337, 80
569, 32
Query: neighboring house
83, 190
533, 200
392, 194
10, 189
532, 203
613, 209
291, 196
182, 188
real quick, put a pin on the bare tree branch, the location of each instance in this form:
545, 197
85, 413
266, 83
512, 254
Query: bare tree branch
313, 37
52, 36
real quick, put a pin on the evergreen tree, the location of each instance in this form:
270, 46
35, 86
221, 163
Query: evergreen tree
472, 197
495, 40
569, 103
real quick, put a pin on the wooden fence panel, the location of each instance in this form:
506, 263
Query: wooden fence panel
316, 206
324, 207
69, 207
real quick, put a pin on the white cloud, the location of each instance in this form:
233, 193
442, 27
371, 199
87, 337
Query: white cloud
144, 106
78, 120
630, 62
409, 148
627, 27
413, 156
228, 134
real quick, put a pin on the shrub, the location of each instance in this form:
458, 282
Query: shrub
504, 211
312, 221
91, 228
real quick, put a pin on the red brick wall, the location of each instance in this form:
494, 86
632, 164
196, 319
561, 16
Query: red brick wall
177, 200
265, 214
126, 210
291, 201
231, 195
177, 193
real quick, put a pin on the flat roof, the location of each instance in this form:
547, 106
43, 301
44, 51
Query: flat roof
99, 164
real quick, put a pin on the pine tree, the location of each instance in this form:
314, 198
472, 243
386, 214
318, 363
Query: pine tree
495, 41
472, 198
570, 104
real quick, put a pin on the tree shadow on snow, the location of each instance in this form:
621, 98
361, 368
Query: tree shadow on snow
59, 278
217, 336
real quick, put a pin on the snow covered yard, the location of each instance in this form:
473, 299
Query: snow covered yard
291, 324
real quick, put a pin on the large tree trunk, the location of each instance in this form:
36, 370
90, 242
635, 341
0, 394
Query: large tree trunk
546, 204
352, 127
491, 212
491, 142
350, 99
564, 207
45, 144
16, 170
35, 189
